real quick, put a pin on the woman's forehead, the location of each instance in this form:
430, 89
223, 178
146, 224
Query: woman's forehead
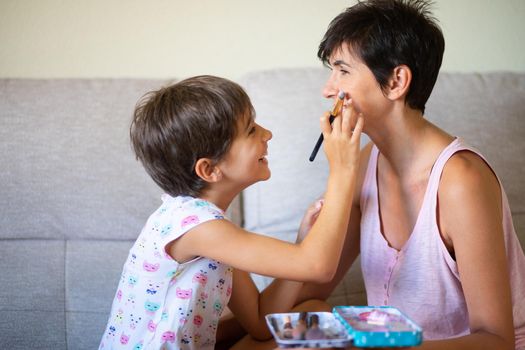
343, 53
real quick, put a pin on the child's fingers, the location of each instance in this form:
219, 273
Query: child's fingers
336, 124
347, 115
356, 134
353, 114
324, 122
350, 117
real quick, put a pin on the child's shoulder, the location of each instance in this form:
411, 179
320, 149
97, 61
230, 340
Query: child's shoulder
177, 215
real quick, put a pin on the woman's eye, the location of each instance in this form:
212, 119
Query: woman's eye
252, 130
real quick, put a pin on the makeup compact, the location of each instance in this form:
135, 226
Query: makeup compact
319, 330
360, 326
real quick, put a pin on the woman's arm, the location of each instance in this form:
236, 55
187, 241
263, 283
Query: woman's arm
470, 220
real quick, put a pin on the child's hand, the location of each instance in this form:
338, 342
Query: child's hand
309, 218
343, 138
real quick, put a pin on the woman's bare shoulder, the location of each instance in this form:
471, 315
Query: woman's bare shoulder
467, 193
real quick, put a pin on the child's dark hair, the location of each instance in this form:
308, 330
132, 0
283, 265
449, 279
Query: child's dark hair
175, 126
388, 33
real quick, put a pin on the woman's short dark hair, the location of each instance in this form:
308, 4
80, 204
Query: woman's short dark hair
175, 126
387, 33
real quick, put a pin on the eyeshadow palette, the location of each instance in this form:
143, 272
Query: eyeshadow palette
381, 326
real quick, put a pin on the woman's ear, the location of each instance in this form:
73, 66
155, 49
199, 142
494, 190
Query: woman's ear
399, 83
206, 170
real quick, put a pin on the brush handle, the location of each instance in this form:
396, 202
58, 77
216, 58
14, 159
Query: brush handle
319, 142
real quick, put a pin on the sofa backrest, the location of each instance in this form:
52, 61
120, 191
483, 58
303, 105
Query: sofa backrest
67, 159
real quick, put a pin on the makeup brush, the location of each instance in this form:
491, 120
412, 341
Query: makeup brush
335, 111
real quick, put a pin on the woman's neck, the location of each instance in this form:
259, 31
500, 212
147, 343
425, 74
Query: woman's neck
407, 141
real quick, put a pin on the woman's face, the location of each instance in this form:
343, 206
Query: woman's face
351, 75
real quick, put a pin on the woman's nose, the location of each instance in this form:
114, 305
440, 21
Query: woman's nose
329, 89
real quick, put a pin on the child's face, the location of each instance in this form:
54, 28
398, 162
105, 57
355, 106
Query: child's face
245, 162
352, 76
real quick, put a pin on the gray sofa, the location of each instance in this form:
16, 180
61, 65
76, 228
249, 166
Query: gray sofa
73, 198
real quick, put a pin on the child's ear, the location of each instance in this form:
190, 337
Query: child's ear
399, 82
205, 169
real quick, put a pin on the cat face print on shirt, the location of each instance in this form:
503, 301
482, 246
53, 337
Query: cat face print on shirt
151, 307
168, 336
150, 267
165, 230
183, 293
153, 287
124, 339
152, 326
132, 280
200, 277
189, 220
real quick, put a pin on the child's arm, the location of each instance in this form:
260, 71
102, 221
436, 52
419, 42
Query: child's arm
315, 258
250, 307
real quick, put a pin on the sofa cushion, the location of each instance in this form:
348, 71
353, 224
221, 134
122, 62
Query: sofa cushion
93, 270
33, 329
85, 329
32, 275
485, 109
32, 294
289, 103
69, 162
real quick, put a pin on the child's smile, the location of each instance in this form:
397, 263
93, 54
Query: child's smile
249, 146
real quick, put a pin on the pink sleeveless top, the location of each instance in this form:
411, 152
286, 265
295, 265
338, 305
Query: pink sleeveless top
422, 279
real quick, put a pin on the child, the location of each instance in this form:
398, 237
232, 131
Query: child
430, 218
199, 142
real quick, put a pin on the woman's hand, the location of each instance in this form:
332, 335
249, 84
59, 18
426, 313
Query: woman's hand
309, 218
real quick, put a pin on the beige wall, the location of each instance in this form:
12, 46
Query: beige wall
175, 38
